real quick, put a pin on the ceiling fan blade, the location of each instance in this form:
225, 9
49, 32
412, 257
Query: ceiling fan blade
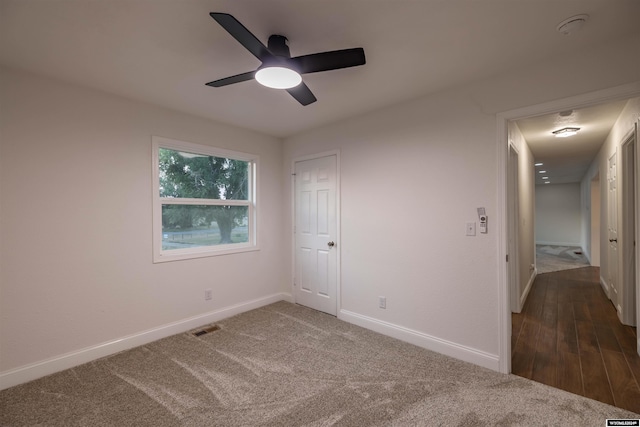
244, 36
233, 79
302, 94
326, 61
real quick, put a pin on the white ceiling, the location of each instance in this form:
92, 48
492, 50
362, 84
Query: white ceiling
164, 51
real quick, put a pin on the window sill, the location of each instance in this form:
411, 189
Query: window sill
195, 254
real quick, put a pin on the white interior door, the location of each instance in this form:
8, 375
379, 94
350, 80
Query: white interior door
316, 269
612, 227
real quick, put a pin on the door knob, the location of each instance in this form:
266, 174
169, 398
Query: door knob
331, 244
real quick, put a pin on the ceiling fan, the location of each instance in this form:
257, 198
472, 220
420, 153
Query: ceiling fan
278, 69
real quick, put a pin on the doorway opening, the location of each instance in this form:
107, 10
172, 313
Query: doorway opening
619, 93
590, 235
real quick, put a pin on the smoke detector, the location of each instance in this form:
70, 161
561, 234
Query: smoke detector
573, 24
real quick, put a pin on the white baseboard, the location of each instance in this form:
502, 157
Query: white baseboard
69, 360
605, 287
467, 354
525, 294
572, 244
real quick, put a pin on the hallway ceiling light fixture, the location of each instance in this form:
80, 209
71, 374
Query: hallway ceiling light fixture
573, 24
538, 164
542, 171
565, 132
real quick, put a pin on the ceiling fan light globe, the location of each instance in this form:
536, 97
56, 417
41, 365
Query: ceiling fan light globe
278, 77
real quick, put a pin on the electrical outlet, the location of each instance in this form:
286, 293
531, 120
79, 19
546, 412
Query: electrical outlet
208, 294
382, 302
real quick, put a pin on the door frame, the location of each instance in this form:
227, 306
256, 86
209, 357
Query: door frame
637, 219
594, 210
616, 93
627, 187
513, 224
612, 285
338, 239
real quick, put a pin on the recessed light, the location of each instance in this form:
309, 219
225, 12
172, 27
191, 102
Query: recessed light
542, 171
545, 177
565, 132
547, 182
538, 164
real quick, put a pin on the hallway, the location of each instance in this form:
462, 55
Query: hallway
569, 337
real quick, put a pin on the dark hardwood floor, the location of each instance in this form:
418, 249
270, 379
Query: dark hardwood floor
568, 336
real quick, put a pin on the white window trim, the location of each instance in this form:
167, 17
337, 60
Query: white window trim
160, 255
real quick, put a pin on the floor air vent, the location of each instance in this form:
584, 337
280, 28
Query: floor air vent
206, 330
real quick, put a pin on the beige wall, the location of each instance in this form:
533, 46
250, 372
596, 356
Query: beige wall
75, 231
526, 213
412, 176
558, 214
76, 254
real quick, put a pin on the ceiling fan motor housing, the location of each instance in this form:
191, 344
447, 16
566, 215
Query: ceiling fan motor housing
277, 45
279, 48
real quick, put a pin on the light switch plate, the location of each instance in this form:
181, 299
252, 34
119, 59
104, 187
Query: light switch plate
471, 229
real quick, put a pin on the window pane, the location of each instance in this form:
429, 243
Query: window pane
190, 226
198, 176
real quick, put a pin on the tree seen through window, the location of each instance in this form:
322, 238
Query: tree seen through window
191, 176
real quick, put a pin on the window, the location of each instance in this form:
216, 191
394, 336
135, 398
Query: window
203, 201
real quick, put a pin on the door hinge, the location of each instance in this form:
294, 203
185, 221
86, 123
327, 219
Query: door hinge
507, 257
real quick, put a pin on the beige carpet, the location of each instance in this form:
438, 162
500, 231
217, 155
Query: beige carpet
285, 365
